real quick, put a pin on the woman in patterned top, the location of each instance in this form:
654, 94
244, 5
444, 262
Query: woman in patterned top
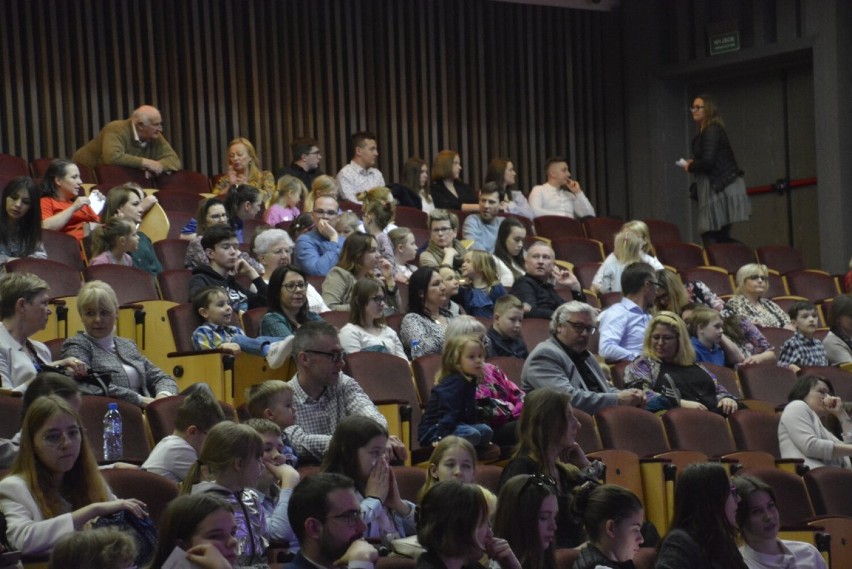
244, 168
426, 320
673, 295
749, 301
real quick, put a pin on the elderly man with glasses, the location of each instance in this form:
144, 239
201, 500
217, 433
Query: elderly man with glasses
623, 325
564, 362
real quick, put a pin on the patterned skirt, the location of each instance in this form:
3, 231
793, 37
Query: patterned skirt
717, 209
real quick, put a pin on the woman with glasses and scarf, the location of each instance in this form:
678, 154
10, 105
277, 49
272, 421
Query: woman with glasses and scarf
750, 300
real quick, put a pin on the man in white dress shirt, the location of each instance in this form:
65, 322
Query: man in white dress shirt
561, 194
361, 173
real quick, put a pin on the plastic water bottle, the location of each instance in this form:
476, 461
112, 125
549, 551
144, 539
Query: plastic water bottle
416, 350
113, 442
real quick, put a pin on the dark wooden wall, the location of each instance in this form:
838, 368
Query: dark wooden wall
485, 78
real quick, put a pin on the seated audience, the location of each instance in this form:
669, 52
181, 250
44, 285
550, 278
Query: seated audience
448, 191
20, 221
427, 318
802, 349
358, 450
838, 342
750, 300
613, 518
560, 194
504, 336
210, 212
244, 169
62, 207
113, 242
323, 185
443, 248
274, 248
668, 372
564, 363
629, 248
367, 330
623, 325
361, 173
453, 458
753, 345
641, 228
347, 223
317, 250
358, 259
129, 202
306, 160
287, 298
102, 548
482, 288
377, 216
502, 172
133, 377
273, 400
801, 433
706, 331
482, 227
404, 250
537, 287
413, 188
703, 531
452, 284
527, 509
285, 204
673, 294
759, 521
176, 453
54, 487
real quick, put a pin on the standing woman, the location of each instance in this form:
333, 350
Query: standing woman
413, 189
703, 531
244, 168
20, 221
722, 198
501, 171
448, 191
62, 207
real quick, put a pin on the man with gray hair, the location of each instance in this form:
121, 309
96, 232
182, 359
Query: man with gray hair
136, 142
537, 288
564, 362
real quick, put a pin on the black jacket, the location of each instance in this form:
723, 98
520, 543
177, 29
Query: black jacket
713, 156
297, 171
239, 297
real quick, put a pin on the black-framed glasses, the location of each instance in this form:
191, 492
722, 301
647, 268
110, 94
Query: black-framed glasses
580, 327
757, 278
295, 285
655, 283
379, 299
350, 518
336, 357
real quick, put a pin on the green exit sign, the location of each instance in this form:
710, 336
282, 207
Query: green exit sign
724, 43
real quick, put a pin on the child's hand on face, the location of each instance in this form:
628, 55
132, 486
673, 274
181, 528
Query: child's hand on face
500, 551
231, 348
286, 475
378, 482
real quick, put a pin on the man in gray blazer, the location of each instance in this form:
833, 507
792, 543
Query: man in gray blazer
564, 362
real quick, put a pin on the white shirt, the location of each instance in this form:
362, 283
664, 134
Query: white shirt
354, 179
795, 555
549, 200
354, 338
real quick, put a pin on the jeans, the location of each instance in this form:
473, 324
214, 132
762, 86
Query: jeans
479, 435
254, 346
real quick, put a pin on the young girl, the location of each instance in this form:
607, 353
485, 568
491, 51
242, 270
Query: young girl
613, 517
703, 531
483, 288
628, 249
203, 525
113, 242
322, 186
358, 450
377, 216
404, 250
20, 221
641, 228
367, 330
526, 518
54, 487
453, 527
451, 409
347, 224
711, 346
291, 191
450, 278
229, 466
452, 459
759, 521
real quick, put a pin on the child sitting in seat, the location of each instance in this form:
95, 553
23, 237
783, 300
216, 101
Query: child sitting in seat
273, 400
802, 349
113, 242
505, 333
217, 333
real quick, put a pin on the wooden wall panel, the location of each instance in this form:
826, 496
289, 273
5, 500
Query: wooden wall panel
485, 78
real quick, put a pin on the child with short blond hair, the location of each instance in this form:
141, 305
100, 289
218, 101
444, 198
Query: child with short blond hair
273, 400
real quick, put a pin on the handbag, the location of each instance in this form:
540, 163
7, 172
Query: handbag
142, 530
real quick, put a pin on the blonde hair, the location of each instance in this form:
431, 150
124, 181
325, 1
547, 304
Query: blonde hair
685, 355
628, 247
700, 317
451, 357
749, 270
324, 185
106, 236
291, 185
445, 445
262, 394
225, 443
484, 265
641, 228
254, 166
398, 236
96, 294
678, 297
443, 215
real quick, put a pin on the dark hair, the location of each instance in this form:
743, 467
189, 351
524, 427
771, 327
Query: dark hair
118, 196
49, 383
551, 161
840, 306
496, 172
301, 146
200, 410
204, 297
273, 292
542, 423
418, 287
448, 517
237, 196
491, 188
411, 177
700, 494
362, 295
500, 251
216, 234
800, 306
203, 209
309, 332
442, 165
28, 228
351, 434
635, 276
747, 486
353, 249
310, 499
56, 169
517, 516
803, 385
358, 138
598, 504
301, 224
181, 519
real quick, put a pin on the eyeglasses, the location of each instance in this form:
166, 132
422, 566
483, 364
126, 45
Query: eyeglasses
325, 212
379, 299
757, 278
580, 328
441, 229
665, 339
336, 357
696, 107
295, 285
351, 519
655, 283
55, 438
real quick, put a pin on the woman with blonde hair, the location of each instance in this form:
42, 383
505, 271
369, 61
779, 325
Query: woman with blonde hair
323, 185
448, 191
244, 168
629, 248
54, 487
750, 299
641, 228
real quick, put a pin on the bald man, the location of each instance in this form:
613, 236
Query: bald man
137, 142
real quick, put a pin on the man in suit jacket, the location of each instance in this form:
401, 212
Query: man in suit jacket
137, 142
326, 518
564, 362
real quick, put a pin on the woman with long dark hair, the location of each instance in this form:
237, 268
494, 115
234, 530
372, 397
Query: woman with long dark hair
413, 189
509, 251
502, 172
20, 221
426, 320
62, 207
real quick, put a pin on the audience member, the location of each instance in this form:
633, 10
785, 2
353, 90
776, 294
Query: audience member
20, 221
482, 227
273, 400
482, 288
285, 204
102, 548
623, 325
537, 287
274, 248
306, 160
243, 202
323, 185
427, 318
113, 242
453, 458
448, 191
706, 331
62, 207
628, 249
504, 336
749, 300
413, 189
838, 342
563, 362
361, 173
673, 294
377, 222
560, 194
347, 223
288, 307
501, 171
129, 202
526, 515
443, 248
318, 249
210, 212
359, 259
367, 330
404, 250
137, 142
244, 169
802, 349
452, 284
613, 518
801, 433
509, 251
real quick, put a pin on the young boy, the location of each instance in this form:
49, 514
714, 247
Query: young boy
276, 482
505, 332
273, 400
212, 304
803, 349
176, 453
